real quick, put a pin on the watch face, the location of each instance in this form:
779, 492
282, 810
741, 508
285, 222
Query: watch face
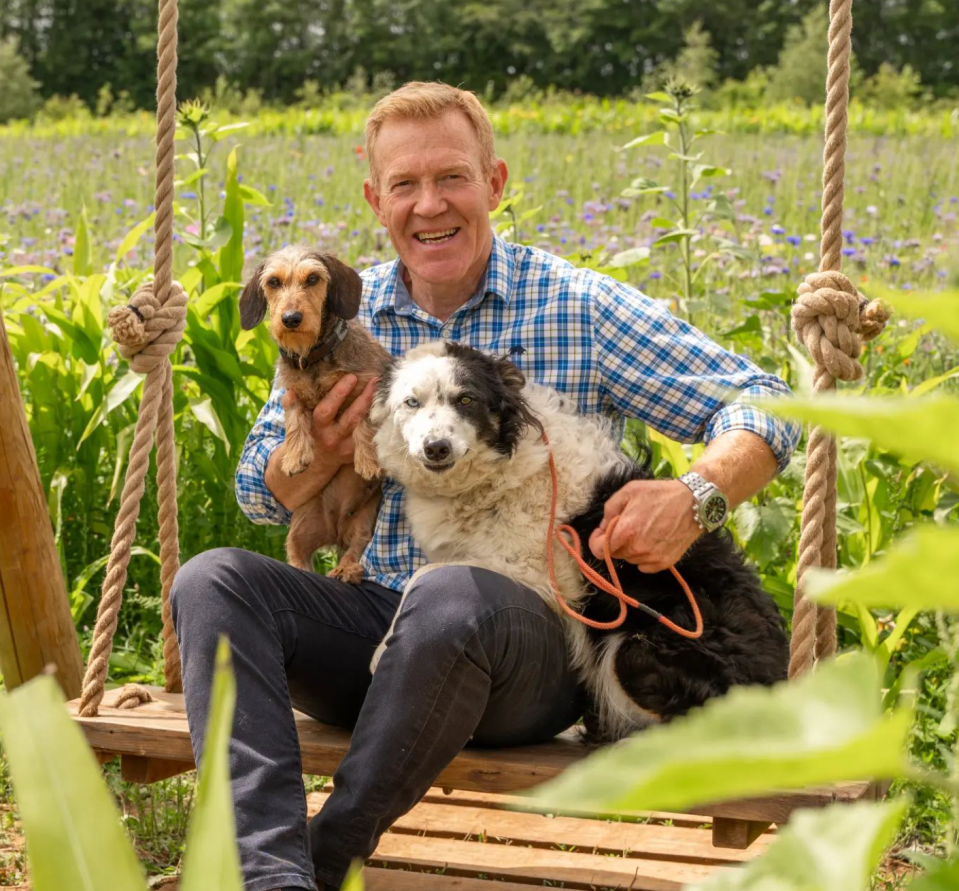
714, 510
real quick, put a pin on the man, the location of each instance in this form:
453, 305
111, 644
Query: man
474, 656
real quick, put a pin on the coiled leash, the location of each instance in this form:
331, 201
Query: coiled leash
574, 548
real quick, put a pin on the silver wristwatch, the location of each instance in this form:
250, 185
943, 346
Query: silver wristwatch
712, 507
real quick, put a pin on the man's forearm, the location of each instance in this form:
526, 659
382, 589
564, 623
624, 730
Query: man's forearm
740, 463
292, 491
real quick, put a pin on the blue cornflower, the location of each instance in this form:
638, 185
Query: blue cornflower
778, 230
867, 240
893, 261
794, 240
849, 235
48, 277
768, 211
848, 252
670, 194
188, 196
271, 187
655, 274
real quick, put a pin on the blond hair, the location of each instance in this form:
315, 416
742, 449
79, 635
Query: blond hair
421, 101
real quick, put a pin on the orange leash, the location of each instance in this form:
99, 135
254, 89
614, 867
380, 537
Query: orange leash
575, 550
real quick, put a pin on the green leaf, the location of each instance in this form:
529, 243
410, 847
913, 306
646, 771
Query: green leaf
82, 250
764, 528
118, 394
197, 174
253, 196
209, 299
825, 727
675, 235
23, 270
222, 233
231, 254
706, 171
225, 130
132, 237
921, 571
940, 309
211, 859
354, 878
941, 875
659, 97
834, 849
656, 138
925, 429
74, 836
206, 414
629, 258
930, 383
662, 223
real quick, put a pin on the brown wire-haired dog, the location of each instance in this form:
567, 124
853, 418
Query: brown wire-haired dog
313, 299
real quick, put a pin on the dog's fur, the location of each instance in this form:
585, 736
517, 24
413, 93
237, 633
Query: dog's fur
486, 503
306, 293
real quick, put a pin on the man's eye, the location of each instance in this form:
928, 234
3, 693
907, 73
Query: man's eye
273, 282
412, 402
465, 400
312, 278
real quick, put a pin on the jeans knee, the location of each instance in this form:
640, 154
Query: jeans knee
204, 579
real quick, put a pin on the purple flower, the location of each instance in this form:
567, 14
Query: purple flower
849, 235
655, 274
848, 252
794, 240
768, 211
893, 261
47, 277
670, 194
778, 230
188, 196
867, 240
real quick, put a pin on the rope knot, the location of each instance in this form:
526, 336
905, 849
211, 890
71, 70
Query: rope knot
828, 318
132, 696
147, 330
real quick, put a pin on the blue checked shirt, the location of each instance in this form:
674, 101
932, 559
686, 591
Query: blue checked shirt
605, 344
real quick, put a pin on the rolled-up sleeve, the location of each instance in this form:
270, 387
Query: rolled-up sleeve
252, 494
665, 372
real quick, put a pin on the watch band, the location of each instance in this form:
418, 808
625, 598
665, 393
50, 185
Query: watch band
702, 491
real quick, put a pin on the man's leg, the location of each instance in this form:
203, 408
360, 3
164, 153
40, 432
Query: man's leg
473, 656
292, 634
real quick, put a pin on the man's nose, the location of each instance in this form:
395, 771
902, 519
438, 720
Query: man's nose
429, 201
292, 319
437, 449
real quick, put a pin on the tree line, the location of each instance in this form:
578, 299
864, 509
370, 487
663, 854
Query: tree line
604, 47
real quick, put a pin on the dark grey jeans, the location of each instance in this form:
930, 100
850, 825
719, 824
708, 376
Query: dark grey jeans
475, 658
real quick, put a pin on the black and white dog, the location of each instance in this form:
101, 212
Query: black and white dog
462, 431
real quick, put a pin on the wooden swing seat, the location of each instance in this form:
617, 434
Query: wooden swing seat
454, 833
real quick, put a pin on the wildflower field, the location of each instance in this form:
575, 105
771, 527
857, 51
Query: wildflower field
724, 240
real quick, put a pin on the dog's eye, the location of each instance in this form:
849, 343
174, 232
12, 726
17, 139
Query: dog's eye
312, 278
412, 402
273, 282
465, 400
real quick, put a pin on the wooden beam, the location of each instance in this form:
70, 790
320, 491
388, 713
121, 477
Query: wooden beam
36, 628
737, 834
137, 769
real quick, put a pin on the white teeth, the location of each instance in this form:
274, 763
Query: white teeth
436, 236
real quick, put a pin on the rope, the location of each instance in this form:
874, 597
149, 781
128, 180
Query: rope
147, 331
831, 319
575, 549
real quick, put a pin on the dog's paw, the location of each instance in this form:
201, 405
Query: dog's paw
295, 461
380, 650
366, 465
348, 571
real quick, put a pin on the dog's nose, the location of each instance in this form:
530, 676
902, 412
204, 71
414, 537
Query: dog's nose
437, 449
292, 319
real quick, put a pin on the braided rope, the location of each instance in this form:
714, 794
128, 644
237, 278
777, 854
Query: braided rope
831, 319
147, 330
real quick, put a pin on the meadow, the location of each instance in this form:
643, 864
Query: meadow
72, 194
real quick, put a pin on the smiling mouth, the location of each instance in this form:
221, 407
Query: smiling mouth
438, 468
441, 236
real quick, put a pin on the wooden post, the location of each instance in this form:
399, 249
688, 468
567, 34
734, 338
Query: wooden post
36, 628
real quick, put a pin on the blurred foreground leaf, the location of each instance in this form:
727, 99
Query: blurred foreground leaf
74, 836
834, 849
211, 859
823, 728
926, 429
940, 310
941, 875
919, 571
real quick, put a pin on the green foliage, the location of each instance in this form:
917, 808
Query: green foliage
835, 849
19, 96
800, 72
822, 728
696, 61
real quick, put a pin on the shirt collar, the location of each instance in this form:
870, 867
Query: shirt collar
497, 280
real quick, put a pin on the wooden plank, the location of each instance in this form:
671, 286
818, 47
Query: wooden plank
397, 880
136, 769
536, 865
159, 730
648, 840
36, 628
736, 834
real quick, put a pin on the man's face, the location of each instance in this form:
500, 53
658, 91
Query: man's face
434, 197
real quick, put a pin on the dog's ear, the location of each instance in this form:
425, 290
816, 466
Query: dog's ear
516, 417
379, 410
253, 301
345, 289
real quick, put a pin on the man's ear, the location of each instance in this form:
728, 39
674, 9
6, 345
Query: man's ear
516, 417
252, 301
498, 179
345, 289
372, 197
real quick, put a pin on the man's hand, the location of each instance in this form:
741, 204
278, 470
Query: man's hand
333, 443
656, 525
333, 436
